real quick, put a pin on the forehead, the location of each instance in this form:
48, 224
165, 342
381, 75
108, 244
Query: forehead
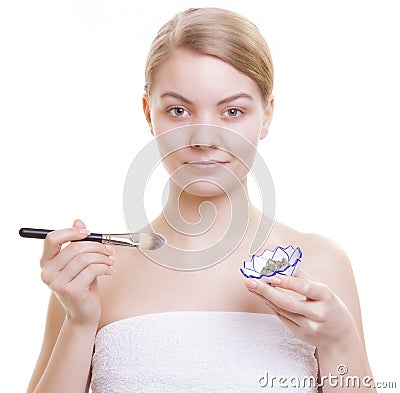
196, 75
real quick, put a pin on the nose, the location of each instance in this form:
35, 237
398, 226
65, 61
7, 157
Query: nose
204, 137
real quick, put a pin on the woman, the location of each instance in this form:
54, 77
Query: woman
123, 323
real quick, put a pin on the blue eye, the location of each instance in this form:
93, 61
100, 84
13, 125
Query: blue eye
178, 111
233, 112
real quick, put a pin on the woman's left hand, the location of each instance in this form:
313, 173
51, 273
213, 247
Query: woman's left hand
318, 316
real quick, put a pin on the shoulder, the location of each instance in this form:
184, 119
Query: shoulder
326, 261
323, 257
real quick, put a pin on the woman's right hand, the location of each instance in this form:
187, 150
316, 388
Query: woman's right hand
71, 273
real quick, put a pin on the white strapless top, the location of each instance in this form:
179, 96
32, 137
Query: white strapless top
201, 351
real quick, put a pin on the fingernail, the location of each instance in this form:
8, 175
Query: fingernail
113, 260
84, 231
110, 270
109, 248
274, 280
251, 284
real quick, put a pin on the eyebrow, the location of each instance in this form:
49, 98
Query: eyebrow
231, 98
235, 97
176, 95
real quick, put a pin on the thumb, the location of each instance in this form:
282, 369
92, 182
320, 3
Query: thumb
79, 224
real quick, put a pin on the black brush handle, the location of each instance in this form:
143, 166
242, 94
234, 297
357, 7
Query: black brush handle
35, 233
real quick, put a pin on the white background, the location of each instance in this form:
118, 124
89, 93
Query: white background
71, 83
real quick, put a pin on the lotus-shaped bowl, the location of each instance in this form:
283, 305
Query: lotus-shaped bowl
255, 268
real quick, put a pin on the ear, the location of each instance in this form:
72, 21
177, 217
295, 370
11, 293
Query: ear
146, 111
268, 114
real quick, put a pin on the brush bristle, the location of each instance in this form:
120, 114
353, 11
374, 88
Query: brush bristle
151, 241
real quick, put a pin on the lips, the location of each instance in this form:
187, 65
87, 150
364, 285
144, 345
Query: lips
206, 165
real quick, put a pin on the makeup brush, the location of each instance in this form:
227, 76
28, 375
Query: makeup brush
148, 241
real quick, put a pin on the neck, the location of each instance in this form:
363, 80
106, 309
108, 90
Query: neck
193, 222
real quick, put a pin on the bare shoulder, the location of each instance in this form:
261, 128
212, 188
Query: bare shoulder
327, 261
127, 266
323, 258
122, 293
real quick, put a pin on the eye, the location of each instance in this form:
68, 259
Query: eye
178, 111
233, 112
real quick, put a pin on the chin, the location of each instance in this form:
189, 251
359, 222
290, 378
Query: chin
204, 189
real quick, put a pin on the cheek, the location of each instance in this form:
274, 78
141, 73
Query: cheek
253, 137
158, 125
172, 146
243, 150
253, 132
172, 163
250, 130
172, 159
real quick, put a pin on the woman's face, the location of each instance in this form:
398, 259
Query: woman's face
192, 89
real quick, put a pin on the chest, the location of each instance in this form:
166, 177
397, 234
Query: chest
143, 287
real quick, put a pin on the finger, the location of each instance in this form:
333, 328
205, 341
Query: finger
82, 262
293, 326
303, 311
88, 275
279, 298
286, 316
55, 239
266, 301
82, 281
76, 248
277, 310
303, 286
79, 224
289, 317
248, 283
76, 266
296, 319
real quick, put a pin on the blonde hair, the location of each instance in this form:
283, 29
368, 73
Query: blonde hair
215, 32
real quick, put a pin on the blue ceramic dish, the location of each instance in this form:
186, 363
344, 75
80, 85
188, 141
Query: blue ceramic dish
253, 268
